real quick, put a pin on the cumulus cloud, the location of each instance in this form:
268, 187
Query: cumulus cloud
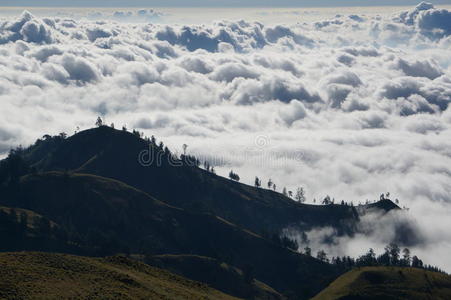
351, 106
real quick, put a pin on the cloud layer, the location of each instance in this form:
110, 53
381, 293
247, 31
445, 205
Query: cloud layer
351, 106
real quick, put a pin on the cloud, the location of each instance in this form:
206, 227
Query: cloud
427, 69
351, 106
28, 29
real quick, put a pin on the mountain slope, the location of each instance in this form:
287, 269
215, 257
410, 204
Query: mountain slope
388, 283
216, 274
104, 216
34, 275
115, 154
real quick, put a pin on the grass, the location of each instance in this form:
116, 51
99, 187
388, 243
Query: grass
388, 283
35, 275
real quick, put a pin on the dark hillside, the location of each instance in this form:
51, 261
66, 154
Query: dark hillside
104, 216
216, 274
111, 153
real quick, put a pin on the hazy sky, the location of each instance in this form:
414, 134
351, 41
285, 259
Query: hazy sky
165, 3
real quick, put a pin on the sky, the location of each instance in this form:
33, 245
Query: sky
347, 102
209, 3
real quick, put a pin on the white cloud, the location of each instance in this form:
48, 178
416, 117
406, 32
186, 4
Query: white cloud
352, 106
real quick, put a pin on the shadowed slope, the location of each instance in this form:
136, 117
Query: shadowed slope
219, 275
107, 216
114, 154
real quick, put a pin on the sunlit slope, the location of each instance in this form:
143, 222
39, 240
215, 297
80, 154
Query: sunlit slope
388, 283
34, 275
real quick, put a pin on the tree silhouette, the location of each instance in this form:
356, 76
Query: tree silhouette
234, 176
300, 195
99, 122
393, 250
327, 201
257, 182
405, 261
322, 256
269, 183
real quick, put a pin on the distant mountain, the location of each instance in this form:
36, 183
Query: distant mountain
34, 275
388, 283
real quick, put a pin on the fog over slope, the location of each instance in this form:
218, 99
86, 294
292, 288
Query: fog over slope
352, 106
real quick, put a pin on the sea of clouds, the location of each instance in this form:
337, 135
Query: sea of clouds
351, 106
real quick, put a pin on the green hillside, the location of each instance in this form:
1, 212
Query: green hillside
388, 283
34, 275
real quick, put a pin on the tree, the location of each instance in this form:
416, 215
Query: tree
416, 262
326, 200
322, 256
405, 261
99, 122
290, 194
124, 128
185, 146
257, 182
234, 176
269, 183
368, 259
300, 195
308, 251
112, 125
284, 191
393, 250
274, 186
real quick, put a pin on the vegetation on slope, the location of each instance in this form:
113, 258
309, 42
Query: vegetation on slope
98, 197
388, 283
102, 216
34, 275
216, 274
119, 154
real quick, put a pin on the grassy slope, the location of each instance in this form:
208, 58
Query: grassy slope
34, 275
388, 283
